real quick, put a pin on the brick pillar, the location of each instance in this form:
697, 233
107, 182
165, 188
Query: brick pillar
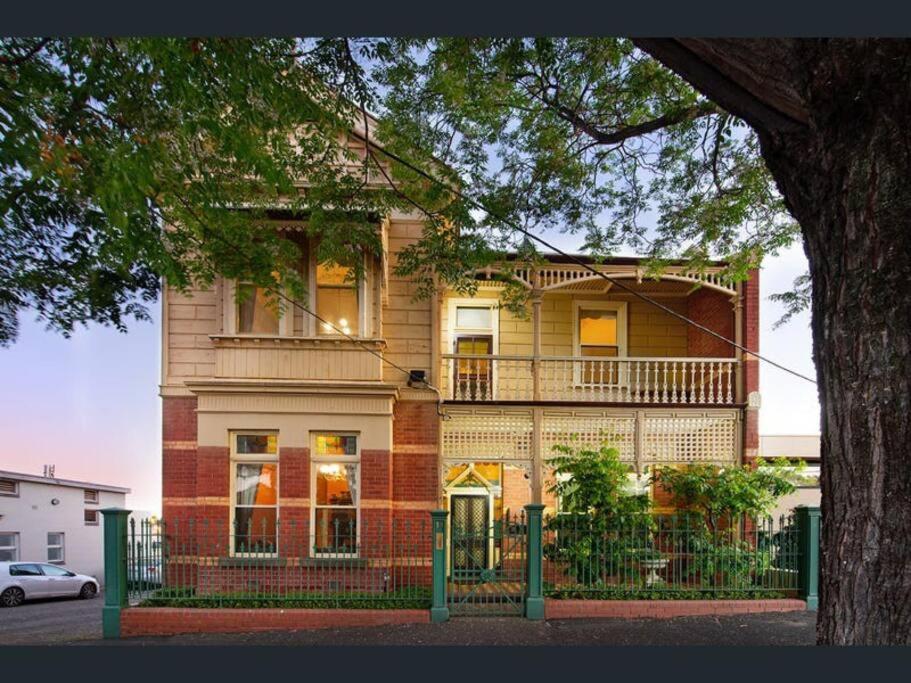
751, 365
178, 457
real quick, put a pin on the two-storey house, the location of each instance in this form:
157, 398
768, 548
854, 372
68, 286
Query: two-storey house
273, 415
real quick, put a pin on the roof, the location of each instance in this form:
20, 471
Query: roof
51, 481
804, 446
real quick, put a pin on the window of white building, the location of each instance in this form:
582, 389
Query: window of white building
9, 546
55, 547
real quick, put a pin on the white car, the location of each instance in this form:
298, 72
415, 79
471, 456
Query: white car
20, 581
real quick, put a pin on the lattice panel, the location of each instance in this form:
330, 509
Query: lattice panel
590, 431
685, 439
487, 436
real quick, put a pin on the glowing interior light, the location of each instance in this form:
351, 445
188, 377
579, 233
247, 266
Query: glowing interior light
330, 470
346, 330
343, 322
327, 327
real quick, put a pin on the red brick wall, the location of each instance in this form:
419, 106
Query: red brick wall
751, 365
516, 490
714, 310
178, 457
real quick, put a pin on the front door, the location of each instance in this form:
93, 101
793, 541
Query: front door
469, 533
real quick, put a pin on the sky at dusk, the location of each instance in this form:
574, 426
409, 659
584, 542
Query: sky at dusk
89, 404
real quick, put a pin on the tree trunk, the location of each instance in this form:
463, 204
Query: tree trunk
848, 182
845, 172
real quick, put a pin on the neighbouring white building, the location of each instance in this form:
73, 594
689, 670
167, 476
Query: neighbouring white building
45, 519
795, 447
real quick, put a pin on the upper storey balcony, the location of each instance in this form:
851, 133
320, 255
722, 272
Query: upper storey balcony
585, 341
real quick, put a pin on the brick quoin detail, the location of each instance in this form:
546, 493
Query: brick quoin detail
178, 465
162, 621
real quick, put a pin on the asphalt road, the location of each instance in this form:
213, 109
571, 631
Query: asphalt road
789, 628
51, 622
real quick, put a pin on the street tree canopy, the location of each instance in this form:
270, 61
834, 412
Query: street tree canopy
125, 160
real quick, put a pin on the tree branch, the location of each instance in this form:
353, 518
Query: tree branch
6, 61
738, 76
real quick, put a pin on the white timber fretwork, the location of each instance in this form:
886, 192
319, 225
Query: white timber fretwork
573, 277
642, 437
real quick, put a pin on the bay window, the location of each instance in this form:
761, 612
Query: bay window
254, 491
335, 480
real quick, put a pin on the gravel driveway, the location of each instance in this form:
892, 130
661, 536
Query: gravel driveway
50, 622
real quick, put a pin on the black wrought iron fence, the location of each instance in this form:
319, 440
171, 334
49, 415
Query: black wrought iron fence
376, 563
676, 555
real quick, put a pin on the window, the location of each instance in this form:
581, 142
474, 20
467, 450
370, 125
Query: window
24, 570
8, 487
9, 546
337, 300
55, 546
91, 517
254, 486
336, 483
600, 332
90, 496
257, 311
473, 330
51, 570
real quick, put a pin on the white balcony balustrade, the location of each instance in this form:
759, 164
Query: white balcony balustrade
498, 378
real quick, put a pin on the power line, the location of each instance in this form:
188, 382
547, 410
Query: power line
614, 281
360, 343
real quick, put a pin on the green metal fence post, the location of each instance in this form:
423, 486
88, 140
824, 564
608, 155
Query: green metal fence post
534, 599
439, 611
808, 521
115, 569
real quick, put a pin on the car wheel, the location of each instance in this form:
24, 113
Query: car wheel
12, 597
88, 591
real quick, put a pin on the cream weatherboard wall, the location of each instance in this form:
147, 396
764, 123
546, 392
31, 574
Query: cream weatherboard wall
650, 333
198, 345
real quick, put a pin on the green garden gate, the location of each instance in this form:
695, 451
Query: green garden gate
487, 564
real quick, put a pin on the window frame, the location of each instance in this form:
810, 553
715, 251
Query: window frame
315, 460
14, 547
11, 494
622, 338
94, 514
252, 458
87, 499
61, 546
455, 333
312, 325
285, 315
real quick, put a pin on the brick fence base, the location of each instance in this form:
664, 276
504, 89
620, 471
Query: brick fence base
663, 609
163, 621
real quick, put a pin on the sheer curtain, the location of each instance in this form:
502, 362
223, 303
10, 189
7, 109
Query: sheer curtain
247, 483
351, 475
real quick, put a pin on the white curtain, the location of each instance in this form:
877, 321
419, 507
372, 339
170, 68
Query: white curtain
247, 483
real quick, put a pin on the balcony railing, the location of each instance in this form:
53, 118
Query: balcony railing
488, 378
